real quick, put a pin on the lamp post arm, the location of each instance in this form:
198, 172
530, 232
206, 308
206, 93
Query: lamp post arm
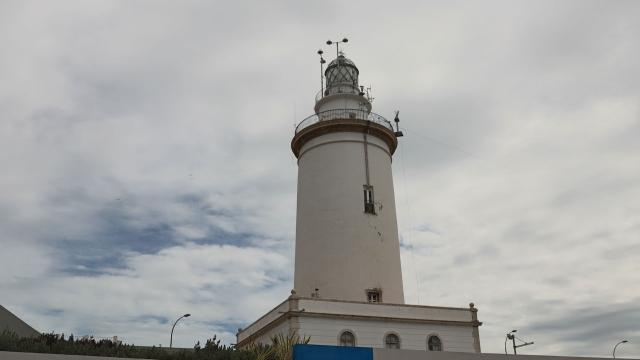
173, 327
525, 344
614, 348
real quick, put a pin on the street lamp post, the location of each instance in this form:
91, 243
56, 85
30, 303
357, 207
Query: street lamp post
511, 336
614, 348
174, 326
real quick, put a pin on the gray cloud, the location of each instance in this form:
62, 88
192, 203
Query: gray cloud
607, 323
147, 170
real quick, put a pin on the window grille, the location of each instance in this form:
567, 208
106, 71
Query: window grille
374, 295
342, 75
347, 339
434, 343
392, 341
369, 205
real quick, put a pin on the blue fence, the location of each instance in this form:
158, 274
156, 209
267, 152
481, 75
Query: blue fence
325, 352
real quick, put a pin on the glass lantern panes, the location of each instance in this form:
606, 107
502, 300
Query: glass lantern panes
342, 76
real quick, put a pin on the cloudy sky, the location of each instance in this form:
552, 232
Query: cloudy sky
146, 169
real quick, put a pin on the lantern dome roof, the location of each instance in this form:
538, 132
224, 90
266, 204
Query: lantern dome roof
341, 60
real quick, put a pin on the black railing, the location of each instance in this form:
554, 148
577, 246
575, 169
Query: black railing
356, 114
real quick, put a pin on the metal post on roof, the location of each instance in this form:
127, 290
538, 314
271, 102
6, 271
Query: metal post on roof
344, 40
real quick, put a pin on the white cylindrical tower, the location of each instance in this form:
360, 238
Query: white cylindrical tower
347, 244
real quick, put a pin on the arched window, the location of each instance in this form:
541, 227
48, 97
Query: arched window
392, 341
434, 343
347, 339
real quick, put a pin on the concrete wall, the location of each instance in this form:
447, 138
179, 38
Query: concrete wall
283, 328
386, 354
7, 355
314, 352
340, 249
324, 320
400, 311
264, 321
413, 336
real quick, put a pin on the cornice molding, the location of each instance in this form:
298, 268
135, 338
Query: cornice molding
343, 125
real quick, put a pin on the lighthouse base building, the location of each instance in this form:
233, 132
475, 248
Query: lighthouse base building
348, 287
376, 325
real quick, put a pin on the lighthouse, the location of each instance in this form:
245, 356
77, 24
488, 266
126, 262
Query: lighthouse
347, 244
347, 287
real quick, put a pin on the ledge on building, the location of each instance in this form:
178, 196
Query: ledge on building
296, 306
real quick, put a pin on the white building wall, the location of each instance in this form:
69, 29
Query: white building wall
413, 336
409, 312
283, 328
340, 249
343, 101
324, 320
264, 321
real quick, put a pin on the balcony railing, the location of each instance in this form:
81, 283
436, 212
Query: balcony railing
356, 114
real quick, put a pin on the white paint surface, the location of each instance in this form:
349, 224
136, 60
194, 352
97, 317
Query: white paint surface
340, 249
371, 333
324, 320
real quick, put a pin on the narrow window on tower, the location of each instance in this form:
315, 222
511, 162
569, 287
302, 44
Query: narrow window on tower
369, 206
374, 295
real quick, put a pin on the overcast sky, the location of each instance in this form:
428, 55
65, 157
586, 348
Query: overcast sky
146, 169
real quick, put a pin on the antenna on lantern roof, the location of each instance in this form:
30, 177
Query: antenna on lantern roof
344, 40
322, 62
369, 94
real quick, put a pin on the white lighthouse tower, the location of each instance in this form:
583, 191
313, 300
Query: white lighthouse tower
346, 231
348, 279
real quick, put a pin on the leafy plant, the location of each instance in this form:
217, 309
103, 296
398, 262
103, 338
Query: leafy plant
281, 347
260, 351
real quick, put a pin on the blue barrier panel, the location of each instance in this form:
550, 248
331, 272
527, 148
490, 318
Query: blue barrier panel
326, 352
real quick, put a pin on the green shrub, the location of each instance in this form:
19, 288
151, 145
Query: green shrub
56, 344
280, 349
